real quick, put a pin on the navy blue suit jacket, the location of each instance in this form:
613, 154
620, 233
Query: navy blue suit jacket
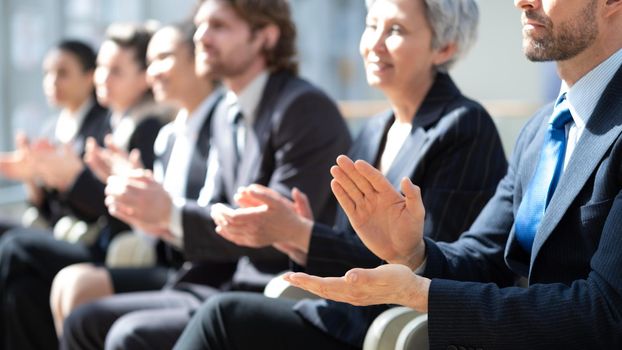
453, 153
574, 299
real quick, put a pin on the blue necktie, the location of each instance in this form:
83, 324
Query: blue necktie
544, 180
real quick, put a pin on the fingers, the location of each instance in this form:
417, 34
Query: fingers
343, 198
265, 195
325, 287
301, 204
372, 176
350, 179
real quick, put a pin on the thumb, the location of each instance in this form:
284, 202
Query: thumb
412, 194
301, 203
135, 159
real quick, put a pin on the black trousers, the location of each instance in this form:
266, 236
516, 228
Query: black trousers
251, 321
29, 260
141, 320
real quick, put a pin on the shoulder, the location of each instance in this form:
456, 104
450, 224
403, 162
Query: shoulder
294, 90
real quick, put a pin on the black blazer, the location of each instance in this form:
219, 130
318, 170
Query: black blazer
95, 124
167, 254
453, 153
574, 300
297, 134
86, 196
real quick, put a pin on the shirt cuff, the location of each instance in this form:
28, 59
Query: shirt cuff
175, 223
419, 270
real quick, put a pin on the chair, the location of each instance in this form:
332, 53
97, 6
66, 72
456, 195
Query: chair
399, 328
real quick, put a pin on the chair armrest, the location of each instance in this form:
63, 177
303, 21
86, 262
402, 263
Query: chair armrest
32, 218
384, 331
128, 249
414, 335
280, 288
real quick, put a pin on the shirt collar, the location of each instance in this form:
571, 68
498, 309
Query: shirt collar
585, 93
248, 99
69, 123
190, 124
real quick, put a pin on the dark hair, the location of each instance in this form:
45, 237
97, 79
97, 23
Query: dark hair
187, 30
83, 52
260, 13
131, 36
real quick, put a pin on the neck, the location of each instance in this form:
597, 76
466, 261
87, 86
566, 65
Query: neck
73, 107
238, 82
405, 102
195, 96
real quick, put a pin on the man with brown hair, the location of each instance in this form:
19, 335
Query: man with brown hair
272, 128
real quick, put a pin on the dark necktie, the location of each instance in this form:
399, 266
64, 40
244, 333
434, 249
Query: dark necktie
238, 136
548, 171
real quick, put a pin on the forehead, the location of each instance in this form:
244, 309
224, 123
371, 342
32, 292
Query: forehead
216, 10
165, 40
111, 53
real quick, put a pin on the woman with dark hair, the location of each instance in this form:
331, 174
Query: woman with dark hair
30, 258
67, 84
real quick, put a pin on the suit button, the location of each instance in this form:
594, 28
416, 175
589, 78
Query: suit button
452, 347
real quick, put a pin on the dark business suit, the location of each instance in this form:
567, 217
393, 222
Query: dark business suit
296, 136
575, 296
30, 258
170, 258
453, 154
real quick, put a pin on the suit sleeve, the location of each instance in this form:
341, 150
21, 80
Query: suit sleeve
458, 174
305, 141
585, 314
143, 139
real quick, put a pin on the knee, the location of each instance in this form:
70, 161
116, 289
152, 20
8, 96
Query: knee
83, 326
128, 332
76, 285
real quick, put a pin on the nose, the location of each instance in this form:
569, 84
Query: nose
374, 40
153, 71
201, 35
526, 4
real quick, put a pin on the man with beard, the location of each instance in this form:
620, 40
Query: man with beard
564, 243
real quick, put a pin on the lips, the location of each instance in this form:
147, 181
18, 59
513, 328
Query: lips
376, 64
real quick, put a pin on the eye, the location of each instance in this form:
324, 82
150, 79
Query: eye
370, 26
395, 30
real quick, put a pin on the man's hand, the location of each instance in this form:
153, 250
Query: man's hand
140, 201
386, 284
389, 224
265, 218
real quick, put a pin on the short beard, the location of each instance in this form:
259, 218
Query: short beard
571, 38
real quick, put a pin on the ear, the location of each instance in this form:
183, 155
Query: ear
444, 54
271, 33
612, 7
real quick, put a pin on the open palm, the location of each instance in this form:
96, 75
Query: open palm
389, 224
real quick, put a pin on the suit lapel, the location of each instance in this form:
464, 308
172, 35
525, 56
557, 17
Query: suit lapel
416, 145
602, 129
198, 162
259, 136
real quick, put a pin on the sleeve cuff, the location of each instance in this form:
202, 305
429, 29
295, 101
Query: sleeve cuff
176, 225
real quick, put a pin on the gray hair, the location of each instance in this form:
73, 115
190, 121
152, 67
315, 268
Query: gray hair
452, 21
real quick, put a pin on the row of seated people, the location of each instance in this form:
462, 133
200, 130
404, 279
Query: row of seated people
242, 190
